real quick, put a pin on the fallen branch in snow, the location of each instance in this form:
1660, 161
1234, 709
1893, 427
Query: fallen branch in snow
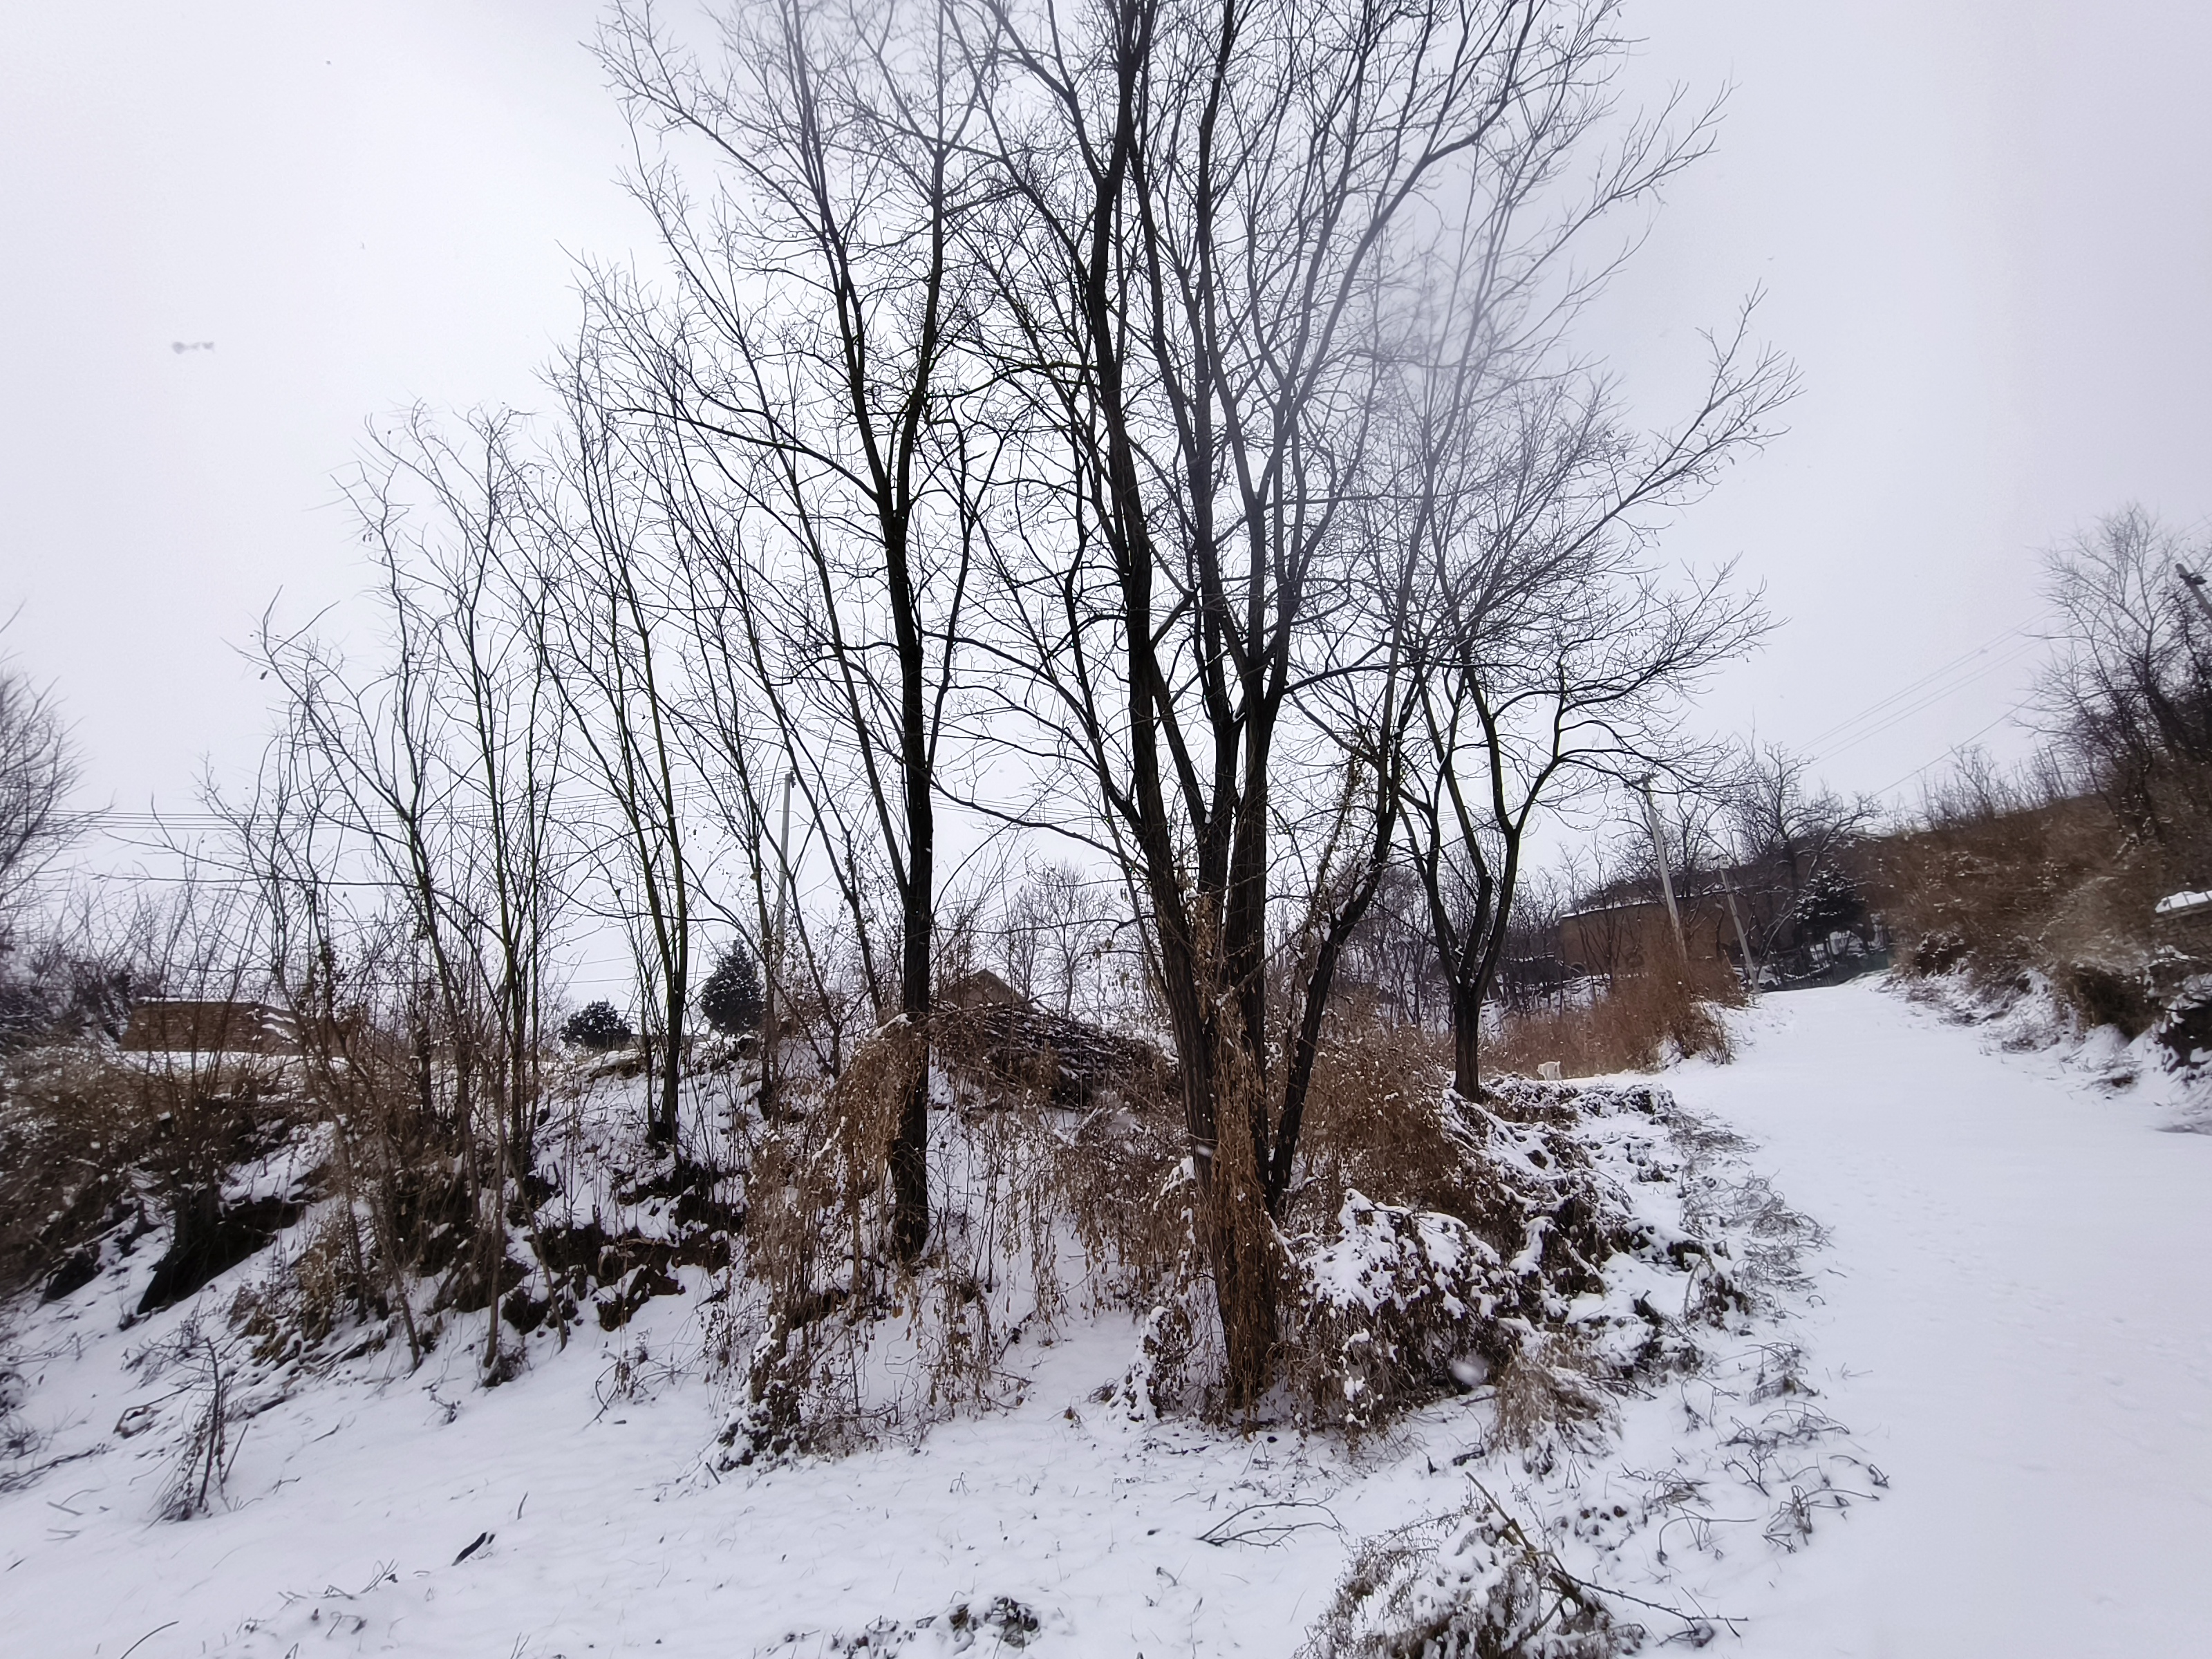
1267, 1533
147, 1638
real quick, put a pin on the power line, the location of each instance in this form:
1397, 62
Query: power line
1957, 746
1907, 690
1925, 692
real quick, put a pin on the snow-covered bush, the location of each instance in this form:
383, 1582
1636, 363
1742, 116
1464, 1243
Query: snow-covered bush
1460, 1237
1379, 1314
1472, 1587
1534, 1578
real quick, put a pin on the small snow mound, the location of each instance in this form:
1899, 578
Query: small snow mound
1001, 1625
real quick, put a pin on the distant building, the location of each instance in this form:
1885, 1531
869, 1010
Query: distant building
183, 1026
980, 989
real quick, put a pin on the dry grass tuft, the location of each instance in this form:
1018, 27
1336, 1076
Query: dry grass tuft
1477, 1586
1550, 1381
1373, 1125
1035, 1204
1638, 1024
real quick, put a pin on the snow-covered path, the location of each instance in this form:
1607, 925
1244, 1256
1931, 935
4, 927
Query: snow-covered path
2019, 1289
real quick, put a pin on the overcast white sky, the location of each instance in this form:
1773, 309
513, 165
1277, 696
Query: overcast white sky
1983, 229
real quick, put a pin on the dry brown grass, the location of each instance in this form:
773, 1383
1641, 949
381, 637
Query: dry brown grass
1373, 1125
2053, 889
95, 1146
1636, 1024
1034, 1206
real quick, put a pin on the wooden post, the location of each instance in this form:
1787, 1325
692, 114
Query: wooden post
772, 964
1666, 876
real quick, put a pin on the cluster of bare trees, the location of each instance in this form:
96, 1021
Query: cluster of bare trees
1152, 426
2127, 699
1779, 848
38, 770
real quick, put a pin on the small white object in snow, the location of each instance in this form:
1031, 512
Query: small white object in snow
2174, 904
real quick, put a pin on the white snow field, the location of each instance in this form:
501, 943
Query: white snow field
2017, 1317
2012, 1316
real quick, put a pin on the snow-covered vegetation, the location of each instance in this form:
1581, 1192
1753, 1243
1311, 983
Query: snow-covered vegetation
1044, 636
1524, 1415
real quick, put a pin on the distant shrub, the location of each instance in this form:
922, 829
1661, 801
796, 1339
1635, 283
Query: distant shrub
731, 1000
596, 1027
1636, 1024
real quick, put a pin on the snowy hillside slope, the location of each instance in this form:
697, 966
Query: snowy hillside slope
590, 1505
2009, 1313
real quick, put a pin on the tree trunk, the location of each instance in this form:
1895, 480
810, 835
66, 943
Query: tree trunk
1247, 1277
909, 1157
671, 1073
1467, 1038
1238, 1230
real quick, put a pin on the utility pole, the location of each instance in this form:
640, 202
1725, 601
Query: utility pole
2194, 583
1666, 875
783, 866
1743, 942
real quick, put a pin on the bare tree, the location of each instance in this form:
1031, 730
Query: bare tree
1391, 956
1785, 835
1554, 656
2129, 692
820, 371
1059, 937
428, 777
39, 768
1221, 212
452, 527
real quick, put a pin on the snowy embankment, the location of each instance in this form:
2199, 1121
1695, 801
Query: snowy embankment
2011, 1316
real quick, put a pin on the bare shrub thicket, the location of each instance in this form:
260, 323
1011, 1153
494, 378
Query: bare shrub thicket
2048, 891
98, 1150
2129, 697
1040, 1208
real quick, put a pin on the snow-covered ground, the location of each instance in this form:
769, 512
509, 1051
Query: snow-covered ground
2013, 1316
2017, 1308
